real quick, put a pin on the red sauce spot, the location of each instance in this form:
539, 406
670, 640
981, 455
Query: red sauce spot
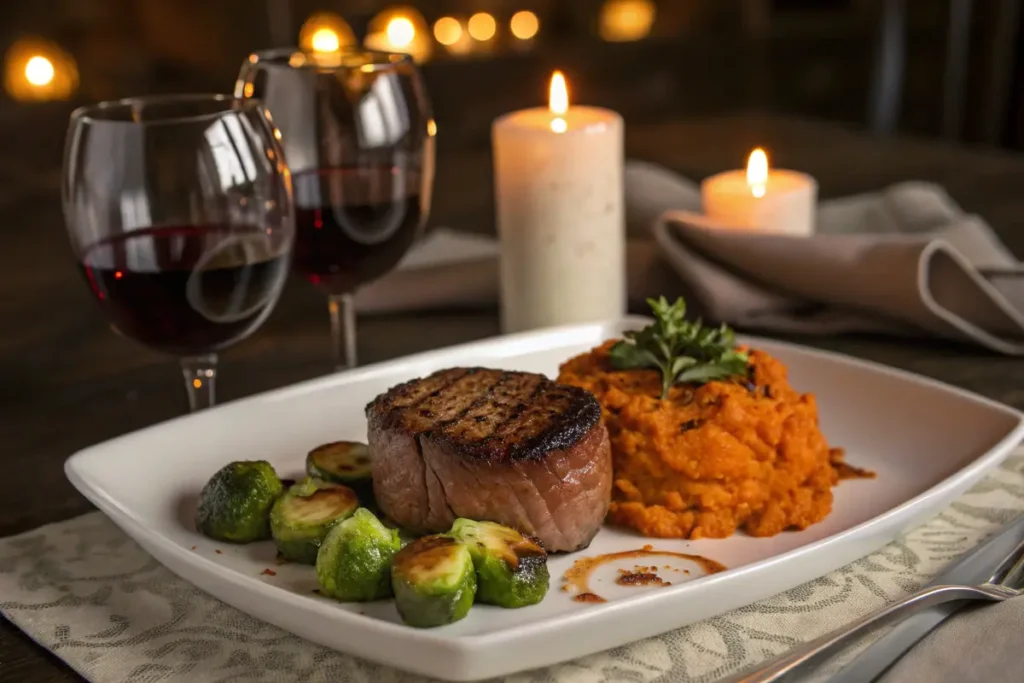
589, 597
194, 547
219, 552
269, 572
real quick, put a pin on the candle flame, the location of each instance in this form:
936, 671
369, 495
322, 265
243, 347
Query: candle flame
558, 95
757, 172
558, 102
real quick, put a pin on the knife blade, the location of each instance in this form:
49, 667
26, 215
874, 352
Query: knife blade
973, 568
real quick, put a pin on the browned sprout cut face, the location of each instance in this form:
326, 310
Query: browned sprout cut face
434, 581
301, 518
343, 462
511, 568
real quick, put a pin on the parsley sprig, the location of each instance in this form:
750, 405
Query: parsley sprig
684, 351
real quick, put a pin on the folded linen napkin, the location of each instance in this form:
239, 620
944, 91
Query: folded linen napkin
907, 260
86, 592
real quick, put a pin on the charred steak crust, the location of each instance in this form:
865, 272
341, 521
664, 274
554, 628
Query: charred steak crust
488, 415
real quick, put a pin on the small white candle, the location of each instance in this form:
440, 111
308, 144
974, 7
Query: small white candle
559, 199
773, 200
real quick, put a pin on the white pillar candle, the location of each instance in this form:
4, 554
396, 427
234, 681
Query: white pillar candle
559, 199
773, 200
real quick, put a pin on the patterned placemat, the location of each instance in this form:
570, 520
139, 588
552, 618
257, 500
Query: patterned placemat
86, 592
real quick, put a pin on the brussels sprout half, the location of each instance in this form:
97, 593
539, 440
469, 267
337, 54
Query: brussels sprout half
235, 503
434, 581
301, 518
354, 562
343, 462
512, 569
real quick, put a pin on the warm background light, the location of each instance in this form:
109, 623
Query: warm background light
38, 70
400, 32
482, 26
524, 25
626, 20
326, 40
447, 30
326, 32
757, 172
400, 29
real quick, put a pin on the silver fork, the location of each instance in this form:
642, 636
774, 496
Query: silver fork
1002, 585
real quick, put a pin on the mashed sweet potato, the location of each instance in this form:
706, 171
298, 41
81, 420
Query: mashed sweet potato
708, 460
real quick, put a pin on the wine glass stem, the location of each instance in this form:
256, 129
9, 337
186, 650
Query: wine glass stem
343, 330
200, 378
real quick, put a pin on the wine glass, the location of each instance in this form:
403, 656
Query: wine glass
359, 139
179, 210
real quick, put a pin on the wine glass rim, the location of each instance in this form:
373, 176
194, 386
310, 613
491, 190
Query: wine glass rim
347, 58
93, 113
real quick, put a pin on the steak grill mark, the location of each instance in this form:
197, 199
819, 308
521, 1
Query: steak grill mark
489, 414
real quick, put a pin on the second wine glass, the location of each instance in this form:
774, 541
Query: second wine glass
358, 136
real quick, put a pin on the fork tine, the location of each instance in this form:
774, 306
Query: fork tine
1014, 577
1010, 569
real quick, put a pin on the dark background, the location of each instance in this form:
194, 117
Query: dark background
942, 67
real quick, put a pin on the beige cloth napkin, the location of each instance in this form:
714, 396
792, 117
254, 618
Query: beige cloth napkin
906, 260
86, 592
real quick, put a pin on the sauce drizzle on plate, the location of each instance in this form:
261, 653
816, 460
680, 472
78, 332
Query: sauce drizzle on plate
577, 577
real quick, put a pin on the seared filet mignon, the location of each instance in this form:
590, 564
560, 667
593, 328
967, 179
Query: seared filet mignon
508, 447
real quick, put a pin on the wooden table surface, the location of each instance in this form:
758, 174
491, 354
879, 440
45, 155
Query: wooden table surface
68, 382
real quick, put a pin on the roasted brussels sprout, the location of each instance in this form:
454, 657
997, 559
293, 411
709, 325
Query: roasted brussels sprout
235, 503
354, 562
301, 518
512, 569
343, 462
434, 581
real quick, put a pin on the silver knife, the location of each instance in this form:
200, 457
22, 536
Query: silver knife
973, 568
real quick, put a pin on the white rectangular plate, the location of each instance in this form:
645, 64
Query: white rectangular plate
927, 441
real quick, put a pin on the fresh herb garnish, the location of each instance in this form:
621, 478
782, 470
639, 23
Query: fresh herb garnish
683, 351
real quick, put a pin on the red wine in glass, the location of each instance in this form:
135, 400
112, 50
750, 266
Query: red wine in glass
186, 289
358, 135
353, 225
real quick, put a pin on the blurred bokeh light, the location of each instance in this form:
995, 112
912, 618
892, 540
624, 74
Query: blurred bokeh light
626, 20
326, 32
447, 30
524, 25
400, 29
482, 26
37, 70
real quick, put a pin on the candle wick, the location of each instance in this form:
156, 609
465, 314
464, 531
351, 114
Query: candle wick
757, 190
559, 125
